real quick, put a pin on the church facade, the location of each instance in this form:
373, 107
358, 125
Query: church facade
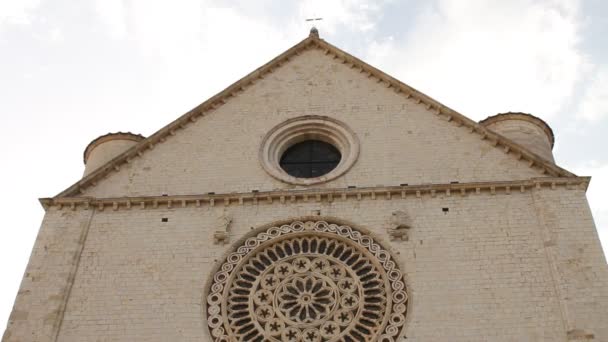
319, 199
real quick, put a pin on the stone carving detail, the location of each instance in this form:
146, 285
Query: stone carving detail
399, 226
221, 235
307, 282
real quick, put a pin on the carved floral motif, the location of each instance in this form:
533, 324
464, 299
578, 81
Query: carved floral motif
399, 226
309, 282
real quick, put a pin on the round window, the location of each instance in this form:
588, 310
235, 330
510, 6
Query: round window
309, 150
310, 159
310, 282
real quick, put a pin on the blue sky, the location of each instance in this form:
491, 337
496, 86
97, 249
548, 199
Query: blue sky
73, 70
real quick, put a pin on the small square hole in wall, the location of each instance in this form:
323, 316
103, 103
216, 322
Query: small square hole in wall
445, 210
164, 219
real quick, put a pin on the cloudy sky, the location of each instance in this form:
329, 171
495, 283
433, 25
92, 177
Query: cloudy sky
73, 70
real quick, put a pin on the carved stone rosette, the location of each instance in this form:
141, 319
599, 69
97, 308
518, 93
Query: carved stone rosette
309, 282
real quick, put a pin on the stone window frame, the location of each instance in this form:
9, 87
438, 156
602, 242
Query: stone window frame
378, 251
309, 127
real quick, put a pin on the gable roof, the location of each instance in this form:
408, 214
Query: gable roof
313, 41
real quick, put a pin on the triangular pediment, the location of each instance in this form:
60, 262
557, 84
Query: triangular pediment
405, 135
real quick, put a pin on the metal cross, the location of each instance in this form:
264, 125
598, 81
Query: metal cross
314, 19
313, 29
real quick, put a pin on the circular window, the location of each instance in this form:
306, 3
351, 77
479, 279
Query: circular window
307, 281
309, 150
310, 159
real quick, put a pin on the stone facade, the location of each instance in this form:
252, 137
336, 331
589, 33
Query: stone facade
491, 243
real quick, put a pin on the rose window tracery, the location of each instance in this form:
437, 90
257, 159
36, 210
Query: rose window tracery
307, 282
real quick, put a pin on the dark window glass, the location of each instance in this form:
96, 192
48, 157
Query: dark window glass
310, 159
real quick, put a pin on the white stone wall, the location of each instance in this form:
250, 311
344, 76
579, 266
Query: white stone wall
41, 300
480, 272
579, 265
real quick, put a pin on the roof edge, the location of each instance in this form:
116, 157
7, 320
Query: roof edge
450, 114
192, 115
239, 86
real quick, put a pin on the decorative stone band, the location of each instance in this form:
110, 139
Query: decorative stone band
307, 281
318, 195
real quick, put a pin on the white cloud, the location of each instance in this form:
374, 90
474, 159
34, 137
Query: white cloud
163, 28
55, 35
594, 104
188, 32
17, 11
191, 38
483, 57
356, 15
112, 14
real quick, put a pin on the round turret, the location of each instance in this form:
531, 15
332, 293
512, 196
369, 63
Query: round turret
524, 129
106, 148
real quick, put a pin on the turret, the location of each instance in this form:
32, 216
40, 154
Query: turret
524, 129
106, 148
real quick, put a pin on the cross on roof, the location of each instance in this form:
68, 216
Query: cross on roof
313, 29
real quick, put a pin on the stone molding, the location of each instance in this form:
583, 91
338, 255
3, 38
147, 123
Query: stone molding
314, 42
298, 129
316, 195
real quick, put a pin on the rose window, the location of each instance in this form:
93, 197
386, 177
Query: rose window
306, 299
308, 282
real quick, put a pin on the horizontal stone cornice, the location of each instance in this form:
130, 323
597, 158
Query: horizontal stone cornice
402, 191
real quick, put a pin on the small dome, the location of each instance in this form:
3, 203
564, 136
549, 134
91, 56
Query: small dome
524, 129
106, 147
